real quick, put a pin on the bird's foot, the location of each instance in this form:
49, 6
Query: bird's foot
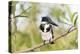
44, 42
51, 42
52, 36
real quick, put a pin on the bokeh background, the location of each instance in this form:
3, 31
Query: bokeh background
25, 21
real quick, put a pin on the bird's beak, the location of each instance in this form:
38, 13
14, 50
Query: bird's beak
53, 23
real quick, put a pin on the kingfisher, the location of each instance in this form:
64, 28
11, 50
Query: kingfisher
46, 29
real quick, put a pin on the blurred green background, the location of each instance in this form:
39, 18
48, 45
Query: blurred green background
25, 22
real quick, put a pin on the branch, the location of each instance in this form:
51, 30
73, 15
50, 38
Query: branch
42, 44
19, 16
22, 13
70, 28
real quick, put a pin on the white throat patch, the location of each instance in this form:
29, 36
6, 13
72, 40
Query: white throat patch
46, 26
43, 22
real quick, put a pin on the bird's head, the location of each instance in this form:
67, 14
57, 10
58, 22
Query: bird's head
45, 19
48, 20
45, 27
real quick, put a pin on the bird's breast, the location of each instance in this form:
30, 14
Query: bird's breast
46, 36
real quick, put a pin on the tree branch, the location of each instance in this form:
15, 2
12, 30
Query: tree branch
19, 16
22, 13
42, 44
70, 28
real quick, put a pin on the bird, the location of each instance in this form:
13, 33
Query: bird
46, 29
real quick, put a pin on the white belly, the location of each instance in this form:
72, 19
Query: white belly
46, 36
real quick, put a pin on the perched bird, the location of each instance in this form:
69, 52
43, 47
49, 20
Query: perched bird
46, 29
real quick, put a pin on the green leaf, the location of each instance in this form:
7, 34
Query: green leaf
73, 15
75, 20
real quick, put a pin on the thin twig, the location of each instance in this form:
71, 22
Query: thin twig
70, 28
22, 13
42, 44
19, 16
